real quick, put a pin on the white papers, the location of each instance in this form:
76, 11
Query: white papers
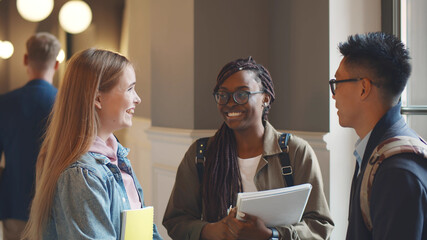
276, 207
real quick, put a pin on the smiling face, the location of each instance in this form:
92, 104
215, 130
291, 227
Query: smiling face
245, 116
116, 107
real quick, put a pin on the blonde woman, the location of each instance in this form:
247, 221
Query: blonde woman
83, 178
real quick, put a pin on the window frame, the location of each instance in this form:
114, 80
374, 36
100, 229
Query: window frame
391, 20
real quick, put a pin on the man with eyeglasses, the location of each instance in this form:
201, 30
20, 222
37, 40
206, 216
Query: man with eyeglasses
367, 89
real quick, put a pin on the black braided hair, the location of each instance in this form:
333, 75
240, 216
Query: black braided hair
221, 178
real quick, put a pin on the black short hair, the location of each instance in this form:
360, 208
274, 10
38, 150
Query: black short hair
384, 55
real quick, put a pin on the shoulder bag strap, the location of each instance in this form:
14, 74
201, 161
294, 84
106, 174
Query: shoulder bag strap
284, 159
386, 149
200, 156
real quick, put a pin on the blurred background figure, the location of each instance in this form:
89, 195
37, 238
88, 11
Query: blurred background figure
23, 117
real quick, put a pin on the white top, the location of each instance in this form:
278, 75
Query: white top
248, 168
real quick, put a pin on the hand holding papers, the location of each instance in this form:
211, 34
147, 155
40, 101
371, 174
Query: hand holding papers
276, 207
137, 224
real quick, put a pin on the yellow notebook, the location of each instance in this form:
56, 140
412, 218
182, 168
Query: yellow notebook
137, 224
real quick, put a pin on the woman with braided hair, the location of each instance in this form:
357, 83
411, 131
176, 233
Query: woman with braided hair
243, 156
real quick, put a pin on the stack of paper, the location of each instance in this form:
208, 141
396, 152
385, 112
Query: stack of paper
137, 224
276, 207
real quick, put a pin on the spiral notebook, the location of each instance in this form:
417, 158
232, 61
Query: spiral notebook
276, 207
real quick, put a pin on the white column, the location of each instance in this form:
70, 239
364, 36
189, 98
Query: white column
346, 17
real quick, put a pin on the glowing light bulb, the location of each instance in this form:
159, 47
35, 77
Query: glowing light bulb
6, 49
75, 16
34, 10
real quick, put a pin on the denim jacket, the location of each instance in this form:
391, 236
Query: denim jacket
89, 198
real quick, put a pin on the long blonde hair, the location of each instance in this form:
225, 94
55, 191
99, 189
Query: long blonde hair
73, 126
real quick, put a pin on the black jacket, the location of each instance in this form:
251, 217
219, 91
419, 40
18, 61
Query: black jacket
398, 203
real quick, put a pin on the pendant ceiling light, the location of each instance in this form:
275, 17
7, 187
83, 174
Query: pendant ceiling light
34, 10
6, 49
75, 16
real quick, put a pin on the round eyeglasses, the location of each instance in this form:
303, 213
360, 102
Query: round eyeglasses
239, 96
333, 83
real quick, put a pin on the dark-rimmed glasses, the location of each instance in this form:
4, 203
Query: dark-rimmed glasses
239, 96
333, 83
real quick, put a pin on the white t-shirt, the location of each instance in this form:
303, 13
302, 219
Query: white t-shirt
248, 168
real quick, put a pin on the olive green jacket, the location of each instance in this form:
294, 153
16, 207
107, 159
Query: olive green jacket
183, 214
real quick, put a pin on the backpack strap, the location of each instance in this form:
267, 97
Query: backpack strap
200, 156
386, 149
284, 159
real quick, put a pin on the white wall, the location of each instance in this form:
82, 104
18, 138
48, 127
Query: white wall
136, 45
346, 17
172, 63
